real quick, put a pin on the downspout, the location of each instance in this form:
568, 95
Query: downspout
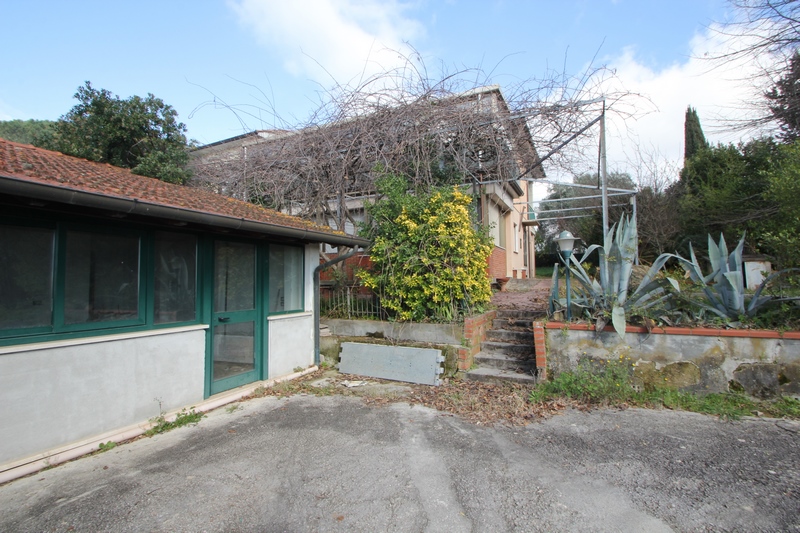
317, 272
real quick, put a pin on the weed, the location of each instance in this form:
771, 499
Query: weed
233, 408
184, 418
608, 383
105, 446
299, 368
593, 383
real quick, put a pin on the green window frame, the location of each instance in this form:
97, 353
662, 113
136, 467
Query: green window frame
94, 281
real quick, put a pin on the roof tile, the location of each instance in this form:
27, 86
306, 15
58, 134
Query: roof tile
36, 165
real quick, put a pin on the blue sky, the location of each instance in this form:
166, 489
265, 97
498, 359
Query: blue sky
279, 54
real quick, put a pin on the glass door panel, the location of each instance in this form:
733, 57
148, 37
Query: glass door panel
235, 276
234, 349
235, 335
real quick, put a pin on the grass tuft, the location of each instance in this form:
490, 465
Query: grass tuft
184, 418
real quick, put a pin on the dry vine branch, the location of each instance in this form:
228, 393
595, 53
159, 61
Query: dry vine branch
435, 130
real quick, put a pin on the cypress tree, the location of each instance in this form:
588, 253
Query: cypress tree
693, 138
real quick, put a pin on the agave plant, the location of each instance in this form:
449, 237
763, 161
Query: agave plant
609, 293
724, 286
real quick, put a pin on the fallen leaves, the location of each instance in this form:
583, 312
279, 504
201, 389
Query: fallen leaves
479, 403
485, 403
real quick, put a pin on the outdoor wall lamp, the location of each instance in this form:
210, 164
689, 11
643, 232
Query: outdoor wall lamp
566, 243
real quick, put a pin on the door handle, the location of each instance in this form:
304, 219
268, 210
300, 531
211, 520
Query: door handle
224, 319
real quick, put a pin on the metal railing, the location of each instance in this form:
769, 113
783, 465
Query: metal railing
350, 301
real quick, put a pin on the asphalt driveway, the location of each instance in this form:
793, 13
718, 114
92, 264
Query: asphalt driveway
335, 464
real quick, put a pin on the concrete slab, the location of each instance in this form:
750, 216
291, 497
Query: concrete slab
398, 363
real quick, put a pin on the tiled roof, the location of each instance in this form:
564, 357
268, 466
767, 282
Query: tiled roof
38, 166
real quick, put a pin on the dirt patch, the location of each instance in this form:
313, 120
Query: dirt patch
480, 403
534, 300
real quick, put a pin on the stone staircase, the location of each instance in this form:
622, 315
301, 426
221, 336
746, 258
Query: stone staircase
507, 354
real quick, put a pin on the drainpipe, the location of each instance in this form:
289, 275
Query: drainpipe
317, 272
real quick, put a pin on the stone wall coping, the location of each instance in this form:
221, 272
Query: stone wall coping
698, 332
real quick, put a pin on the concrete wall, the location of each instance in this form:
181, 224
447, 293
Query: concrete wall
761, 363
291, 343
61, 392
401, 331
311, 261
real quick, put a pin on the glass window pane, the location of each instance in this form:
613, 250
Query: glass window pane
285, 278
26, 279
234, 349
235, 273
102, 278
175, 277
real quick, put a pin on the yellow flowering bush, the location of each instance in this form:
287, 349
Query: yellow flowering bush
428, 259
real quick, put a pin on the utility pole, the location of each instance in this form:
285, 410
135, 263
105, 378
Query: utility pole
603, 172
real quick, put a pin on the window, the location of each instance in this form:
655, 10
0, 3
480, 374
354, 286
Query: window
516, 240
501, 229
60, 280
175, 294
101, 277
285, 278
26, 283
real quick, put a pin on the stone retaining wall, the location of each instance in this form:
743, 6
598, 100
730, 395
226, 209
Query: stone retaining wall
761, 363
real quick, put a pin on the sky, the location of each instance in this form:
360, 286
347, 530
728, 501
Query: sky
231, 66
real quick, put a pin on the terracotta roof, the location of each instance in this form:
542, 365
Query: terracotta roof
32, 165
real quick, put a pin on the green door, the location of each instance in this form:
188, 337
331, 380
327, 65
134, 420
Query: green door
236, 336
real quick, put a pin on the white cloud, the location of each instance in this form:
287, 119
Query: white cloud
717, 91
331, 40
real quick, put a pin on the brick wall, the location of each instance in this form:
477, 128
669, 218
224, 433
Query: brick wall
540, 349
351, 266
475, 328
497, 263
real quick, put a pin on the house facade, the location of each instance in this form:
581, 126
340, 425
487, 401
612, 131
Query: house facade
472, 134
123, 297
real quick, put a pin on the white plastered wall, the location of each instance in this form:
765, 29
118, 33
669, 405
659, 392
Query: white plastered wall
291, 336
61, 392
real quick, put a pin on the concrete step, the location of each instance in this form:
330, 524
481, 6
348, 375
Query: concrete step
495, 375
512, 336
508, 348
521, 285
521, 314
509, 323
504, 362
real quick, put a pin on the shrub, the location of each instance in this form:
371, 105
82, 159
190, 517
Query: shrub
428, 259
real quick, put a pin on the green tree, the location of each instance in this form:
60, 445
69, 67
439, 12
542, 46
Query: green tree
784, 101
142, 134
24, 131
428, 259
723, 191
693, 138
779, 235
